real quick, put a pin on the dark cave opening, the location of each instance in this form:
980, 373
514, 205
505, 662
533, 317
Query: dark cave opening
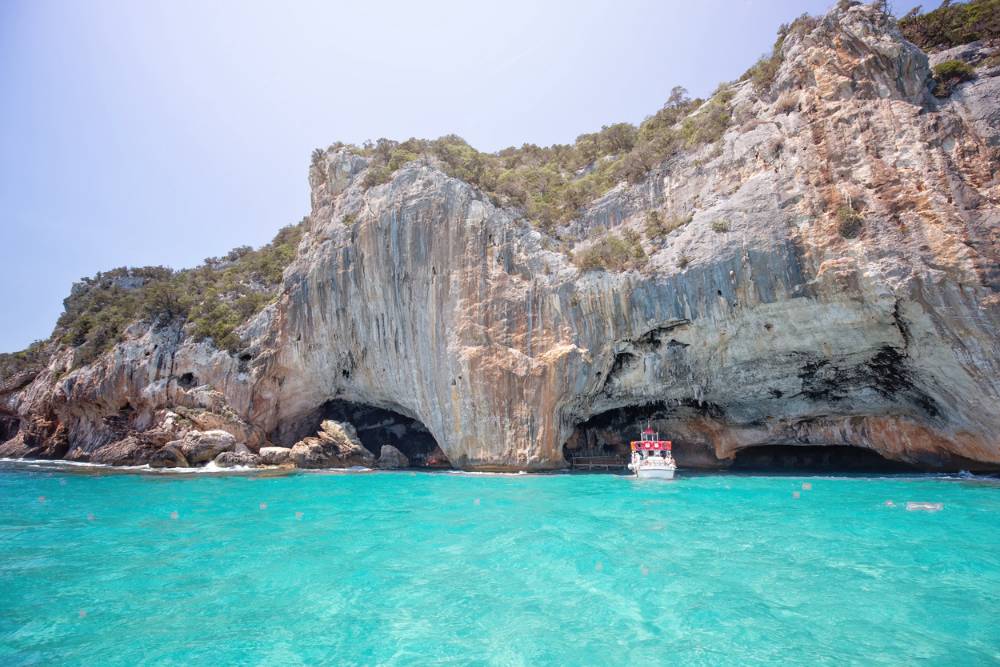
376, 427
605, 436
816, 458
602, 443
603, 440
9, 426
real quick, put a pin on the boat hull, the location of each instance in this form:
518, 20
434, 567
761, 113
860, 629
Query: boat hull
655, 473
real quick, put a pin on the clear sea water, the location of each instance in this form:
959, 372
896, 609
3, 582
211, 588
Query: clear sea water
412, 569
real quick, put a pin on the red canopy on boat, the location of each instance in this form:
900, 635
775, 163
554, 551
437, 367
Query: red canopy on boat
652, 445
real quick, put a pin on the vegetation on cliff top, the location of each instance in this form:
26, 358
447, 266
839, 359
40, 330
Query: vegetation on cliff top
952, 24
551, 184
761, 75
212, 299
31, 358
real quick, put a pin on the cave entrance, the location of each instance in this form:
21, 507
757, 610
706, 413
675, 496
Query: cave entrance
9, 426
602, 442
815, 458
379, 426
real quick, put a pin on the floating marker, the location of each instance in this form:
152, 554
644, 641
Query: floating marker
807, 486
796, 494
174, 515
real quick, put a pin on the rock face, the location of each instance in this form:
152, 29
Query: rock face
336, 445
275, 456
232, 459
391, 458
761, 322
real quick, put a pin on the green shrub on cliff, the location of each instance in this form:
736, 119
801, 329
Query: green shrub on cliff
949, 74
952, 24
849, 222
658, 226
613, 252
720, 226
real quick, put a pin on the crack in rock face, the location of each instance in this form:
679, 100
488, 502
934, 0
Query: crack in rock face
454, 332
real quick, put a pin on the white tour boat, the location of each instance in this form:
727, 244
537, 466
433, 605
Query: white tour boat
652, 458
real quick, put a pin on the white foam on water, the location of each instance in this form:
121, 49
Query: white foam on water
61, 463
339, 471
924, 507
483, 473
55, 465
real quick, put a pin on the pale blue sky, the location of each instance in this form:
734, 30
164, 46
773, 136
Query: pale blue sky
136, 133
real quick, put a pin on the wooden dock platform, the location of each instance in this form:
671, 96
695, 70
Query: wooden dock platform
597, 463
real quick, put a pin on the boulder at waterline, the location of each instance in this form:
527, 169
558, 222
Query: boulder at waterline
234, 459
169, 456
391, 458
336, 445
203, 446
274, 456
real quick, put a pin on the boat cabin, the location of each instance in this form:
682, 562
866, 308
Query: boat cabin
651, 445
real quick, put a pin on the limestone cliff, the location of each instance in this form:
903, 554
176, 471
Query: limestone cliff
766, 319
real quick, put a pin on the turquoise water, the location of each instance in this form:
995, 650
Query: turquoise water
403, 568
